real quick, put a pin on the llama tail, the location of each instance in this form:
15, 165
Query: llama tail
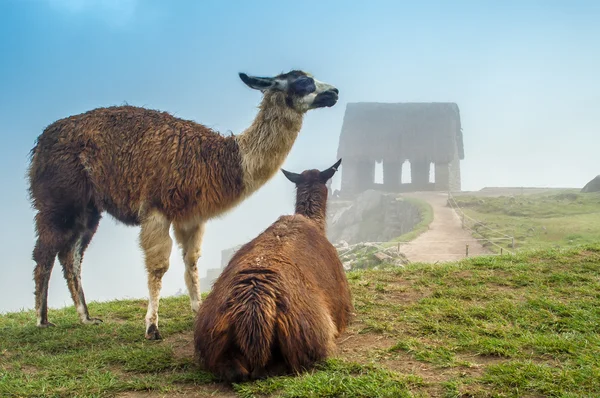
253, 318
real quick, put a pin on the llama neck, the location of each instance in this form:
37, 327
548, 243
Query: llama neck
267, 142
312, 203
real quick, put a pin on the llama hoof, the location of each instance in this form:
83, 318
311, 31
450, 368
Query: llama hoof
152, 333
92, 321
45, 325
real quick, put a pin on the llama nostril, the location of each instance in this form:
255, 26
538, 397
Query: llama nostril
335, 90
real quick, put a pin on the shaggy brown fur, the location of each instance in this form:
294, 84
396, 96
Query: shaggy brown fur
283, 298
149, 168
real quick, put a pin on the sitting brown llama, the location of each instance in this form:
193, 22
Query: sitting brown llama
283, 298
151, 169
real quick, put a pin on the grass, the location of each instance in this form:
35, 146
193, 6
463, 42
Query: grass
540, 221
498, 326
73, 359
336, 378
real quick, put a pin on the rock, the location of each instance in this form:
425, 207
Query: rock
592, 186
381, 256
373, 216
361, 255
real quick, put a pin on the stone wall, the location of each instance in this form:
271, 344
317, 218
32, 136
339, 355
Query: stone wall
442, 176
373, 216
419, 174
359, 176
454, 177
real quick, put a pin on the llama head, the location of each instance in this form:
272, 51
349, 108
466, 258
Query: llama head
312, 177
311, 192
299, 89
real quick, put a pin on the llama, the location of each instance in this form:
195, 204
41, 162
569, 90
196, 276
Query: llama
283, 298
148, 168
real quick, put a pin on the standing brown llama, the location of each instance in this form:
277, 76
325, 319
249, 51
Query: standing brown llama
149, 168
283, 298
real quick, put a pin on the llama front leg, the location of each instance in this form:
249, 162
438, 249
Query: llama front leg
189, 238
156, 243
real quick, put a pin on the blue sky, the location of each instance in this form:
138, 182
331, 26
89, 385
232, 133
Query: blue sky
524, 74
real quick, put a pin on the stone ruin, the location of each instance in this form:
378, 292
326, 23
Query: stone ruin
369, 255
423, 134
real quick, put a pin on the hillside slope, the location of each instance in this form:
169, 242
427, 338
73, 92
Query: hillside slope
492, 326
537, 221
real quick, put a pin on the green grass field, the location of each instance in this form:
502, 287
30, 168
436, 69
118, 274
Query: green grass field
537, 221
497, 326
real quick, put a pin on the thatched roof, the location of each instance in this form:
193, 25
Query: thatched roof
401, 131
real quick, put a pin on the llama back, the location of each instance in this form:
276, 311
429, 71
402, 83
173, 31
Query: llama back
315, 257
286, 316
235, 326
141, 157
264, 311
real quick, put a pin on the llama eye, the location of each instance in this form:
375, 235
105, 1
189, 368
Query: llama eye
304, 85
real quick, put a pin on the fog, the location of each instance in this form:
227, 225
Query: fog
523, 73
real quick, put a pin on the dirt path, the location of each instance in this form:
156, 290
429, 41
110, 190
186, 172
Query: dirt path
445, 240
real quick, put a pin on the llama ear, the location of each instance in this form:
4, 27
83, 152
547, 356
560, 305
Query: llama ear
325, 175
293, 177
258, 83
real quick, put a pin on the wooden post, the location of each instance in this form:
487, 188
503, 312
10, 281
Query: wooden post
512, 243
501, 250
467, 250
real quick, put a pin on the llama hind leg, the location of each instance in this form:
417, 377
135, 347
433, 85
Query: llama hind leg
156, 243
71, 257
44, 256
189, 238
52, 236
302, 347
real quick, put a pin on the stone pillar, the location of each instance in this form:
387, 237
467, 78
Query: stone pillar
419, 171
392, 175
442, 176
454, 178
365, 174
350, 177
